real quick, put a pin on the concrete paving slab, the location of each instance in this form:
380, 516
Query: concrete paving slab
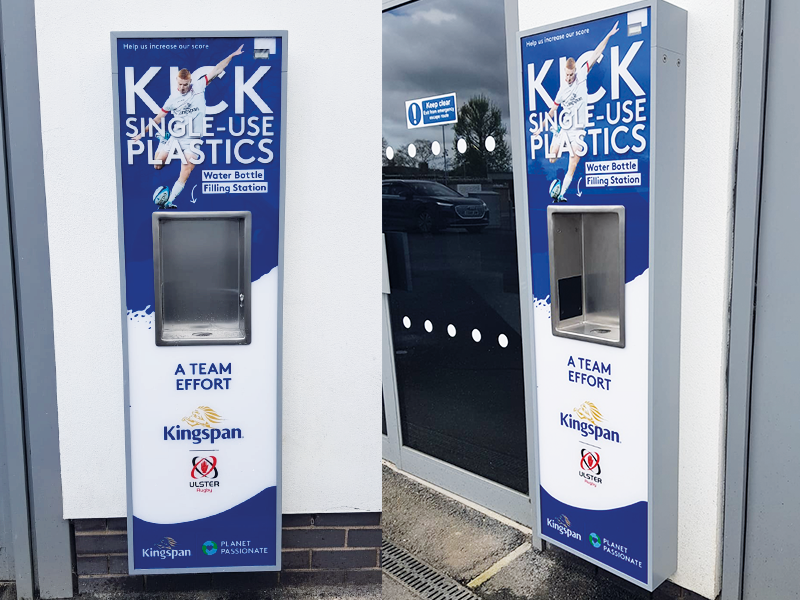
449, 536
553, 575
463, 543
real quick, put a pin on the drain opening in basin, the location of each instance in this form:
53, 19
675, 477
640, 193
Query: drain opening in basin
592, 331
202, 333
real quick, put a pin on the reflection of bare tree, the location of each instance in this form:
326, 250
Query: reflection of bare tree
424, 152
478, 119
400, 158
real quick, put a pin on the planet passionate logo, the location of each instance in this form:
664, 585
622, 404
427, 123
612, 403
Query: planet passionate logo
202, 422
167, 548
587, 423
209, 548
563, 526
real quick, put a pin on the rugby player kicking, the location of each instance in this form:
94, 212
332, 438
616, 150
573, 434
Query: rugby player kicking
188, 107
572, 97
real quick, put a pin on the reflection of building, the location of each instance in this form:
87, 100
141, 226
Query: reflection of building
451, 419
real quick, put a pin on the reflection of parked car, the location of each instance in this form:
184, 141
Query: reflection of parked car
428, 206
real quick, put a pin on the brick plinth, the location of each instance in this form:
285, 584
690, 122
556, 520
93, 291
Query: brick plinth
333, 548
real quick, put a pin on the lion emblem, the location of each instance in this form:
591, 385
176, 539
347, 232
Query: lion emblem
166, 544
588, 412
202, 416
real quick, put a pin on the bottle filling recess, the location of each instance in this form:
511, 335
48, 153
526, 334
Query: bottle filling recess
201, 264
587, 273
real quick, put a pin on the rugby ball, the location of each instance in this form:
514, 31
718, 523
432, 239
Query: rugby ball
161, 195
555, 188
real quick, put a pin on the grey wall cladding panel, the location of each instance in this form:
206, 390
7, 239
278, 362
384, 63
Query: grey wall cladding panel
51, 535
747, 204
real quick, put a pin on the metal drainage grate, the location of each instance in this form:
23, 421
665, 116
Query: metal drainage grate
426, 581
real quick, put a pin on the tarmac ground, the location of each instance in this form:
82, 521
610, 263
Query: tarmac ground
490, 555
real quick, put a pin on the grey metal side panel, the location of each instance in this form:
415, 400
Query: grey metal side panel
752, 88
666, 226
523, 258
16, 536
771, 543
51, 533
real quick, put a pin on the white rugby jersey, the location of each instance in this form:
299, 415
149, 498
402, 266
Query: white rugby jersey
573, 99
187, 107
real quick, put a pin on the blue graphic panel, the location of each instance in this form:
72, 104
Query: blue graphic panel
614, 168
614, 537
238, 537
236, 139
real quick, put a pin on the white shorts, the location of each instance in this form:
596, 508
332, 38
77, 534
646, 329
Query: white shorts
574, 136
185, 144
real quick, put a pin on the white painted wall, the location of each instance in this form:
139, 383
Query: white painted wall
331, 408
711, 112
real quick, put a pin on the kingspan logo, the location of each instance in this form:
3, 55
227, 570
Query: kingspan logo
202, 426
562, 525
167, 548
587, 423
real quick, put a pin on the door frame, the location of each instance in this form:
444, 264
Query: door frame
498, 498
747, 204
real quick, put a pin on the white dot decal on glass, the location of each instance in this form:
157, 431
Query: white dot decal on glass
436, 148
428, 326
389, 152
490, 144
451, 330
502, 340
406, 322
461, 145
412, 150
476, 335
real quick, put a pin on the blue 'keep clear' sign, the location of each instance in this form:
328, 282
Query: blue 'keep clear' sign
434, 110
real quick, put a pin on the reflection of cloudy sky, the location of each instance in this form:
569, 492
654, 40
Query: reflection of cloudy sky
433, 47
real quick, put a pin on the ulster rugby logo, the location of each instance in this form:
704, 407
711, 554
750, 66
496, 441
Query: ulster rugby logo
202, 416
586, 411
204, 474
590, 461
204, 467
590, 467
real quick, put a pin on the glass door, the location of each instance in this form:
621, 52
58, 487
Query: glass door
449, 230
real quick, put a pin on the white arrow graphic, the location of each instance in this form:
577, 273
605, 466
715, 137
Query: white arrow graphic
579, 192
194, 200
